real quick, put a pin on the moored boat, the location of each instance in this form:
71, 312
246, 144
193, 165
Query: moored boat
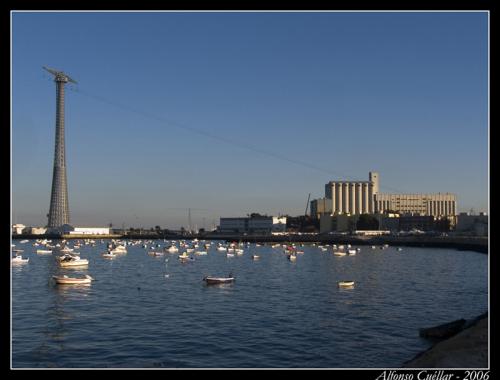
73, 262
19, 260
346, 284
72, 280
218, 280
339, 253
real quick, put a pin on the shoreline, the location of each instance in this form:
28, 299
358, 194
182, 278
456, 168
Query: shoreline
466, 349
463, 243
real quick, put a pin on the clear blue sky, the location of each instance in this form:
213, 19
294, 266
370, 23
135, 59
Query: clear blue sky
404, 94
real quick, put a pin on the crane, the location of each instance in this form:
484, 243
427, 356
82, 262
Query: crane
307, 204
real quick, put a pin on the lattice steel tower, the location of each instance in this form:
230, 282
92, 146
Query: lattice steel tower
59, 209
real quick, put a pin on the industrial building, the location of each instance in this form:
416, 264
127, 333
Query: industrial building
364, 197
438, 205
67, 229
256, 224
17, 229
472, 224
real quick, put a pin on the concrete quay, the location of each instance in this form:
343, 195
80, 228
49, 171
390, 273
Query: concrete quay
467, 349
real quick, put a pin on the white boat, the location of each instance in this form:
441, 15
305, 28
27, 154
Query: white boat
200, 253
218, 280
339, 253
72, 280
155, 253
73, 263
351, 252
43, 251
255, 257
24, 241
346, 284
229, 254
400, 249
18, 250
67, 257
292, 257
19, 260
239, 251
221, 249
108, 255
172, 249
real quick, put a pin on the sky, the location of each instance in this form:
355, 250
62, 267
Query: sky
221, 114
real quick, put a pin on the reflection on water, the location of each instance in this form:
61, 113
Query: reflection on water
145, 311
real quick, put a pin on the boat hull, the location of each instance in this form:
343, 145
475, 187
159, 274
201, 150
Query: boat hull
218, 280
71, 281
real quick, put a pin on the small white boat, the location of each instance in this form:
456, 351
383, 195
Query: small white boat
24, 241
43, 251
72, 280
18, 250
255, 257
351, 252
292, 257
185, 259
218, 280
346, 284
201, 253
68, 256
172, 249
400, 249
73, 263
339, 253
229, 254
108, 255
19, 260
221, 249
155, 253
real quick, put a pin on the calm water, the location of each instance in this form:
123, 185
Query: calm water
143, 312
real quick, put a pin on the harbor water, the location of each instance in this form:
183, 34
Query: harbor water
144, 311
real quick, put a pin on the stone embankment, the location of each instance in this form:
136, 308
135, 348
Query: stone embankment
467, 349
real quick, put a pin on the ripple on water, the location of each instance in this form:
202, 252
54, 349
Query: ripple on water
277, 314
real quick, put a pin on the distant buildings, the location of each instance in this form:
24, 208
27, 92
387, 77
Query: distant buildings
344, 201
472, 224
17, 229
67, 229
253, 224
35, 230
363, 197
